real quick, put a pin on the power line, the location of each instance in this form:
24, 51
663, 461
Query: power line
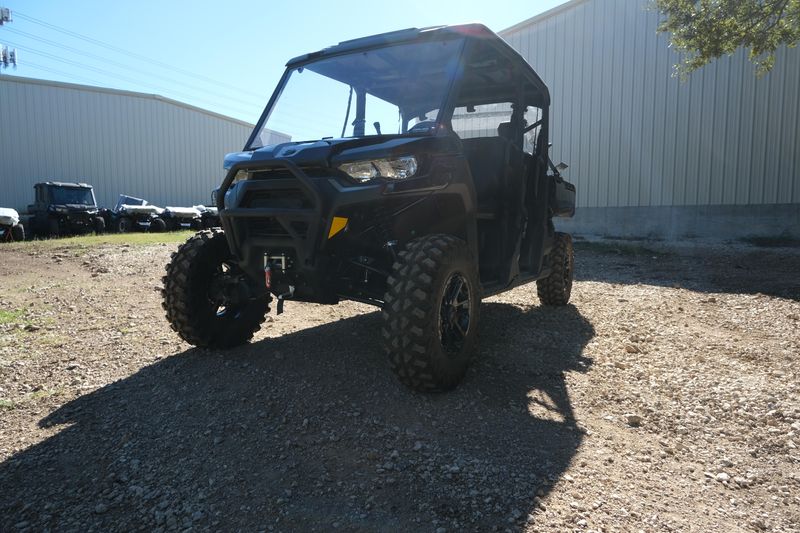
62, 73
134, 55
117, 64
132, 80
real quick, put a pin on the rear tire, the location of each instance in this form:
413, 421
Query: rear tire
99, 225
191, 311
556, 288
431, 313
17, 233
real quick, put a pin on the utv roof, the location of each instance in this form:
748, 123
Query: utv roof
65, 184
471, 32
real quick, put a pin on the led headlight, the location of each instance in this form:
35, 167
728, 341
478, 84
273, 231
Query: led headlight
395, 168
240, 176
231, 193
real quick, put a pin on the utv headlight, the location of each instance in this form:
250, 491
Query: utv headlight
240, 176
395, 168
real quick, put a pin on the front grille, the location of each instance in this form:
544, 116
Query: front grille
300, 228
283, 173
269, 227
289, 198
266, 227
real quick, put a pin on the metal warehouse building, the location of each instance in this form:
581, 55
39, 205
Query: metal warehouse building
716, 156
139, 144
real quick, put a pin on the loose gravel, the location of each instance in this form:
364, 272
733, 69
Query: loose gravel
665, 398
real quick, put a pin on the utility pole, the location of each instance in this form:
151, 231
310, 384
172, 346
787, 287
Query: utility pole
8, 56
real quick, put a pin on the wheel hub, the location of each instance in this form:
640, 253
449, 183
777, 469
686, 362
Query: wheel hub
227, 291
455, 313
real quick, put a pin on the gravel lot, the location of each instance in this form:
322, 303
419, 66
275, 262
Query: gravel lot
666, 398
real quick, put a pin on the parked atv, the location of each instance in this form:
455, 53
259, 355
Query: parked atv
10, 227
176, 218
135, 214
447, 198
64, 209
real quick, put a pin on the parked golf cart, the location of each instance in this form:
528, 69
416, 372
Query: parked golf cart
135, 214
10, 227
448, 201
64, 209
176, 218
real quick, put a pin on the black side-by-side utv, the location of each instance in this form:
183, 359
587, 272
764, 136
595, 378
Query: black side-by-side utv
417, 179
64, 209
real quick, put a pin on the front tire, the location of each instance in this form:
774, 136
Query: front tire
431, 313
556, 288
17, 232
99, 225
158, 225
53, 227
124, 225
201, 270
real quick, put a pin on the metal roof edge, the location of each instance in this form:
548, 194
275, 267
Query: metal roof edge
122, 92
542, 16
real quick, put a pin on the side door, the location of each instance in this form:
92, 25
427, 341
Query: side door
496, 165
536, 235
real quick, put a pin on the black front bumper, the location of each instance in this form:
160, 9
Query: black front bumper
287, 211
76, 222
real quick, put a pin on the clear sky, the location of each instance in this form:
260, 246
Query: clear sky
226, 56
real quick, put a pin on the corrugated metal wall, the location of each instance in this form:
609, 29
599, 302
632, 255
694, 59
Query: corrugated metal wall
120, 142
633, 135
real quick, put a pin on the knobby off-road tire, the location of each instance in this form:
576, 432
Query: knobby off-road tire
18, 232
189, 308
158, 225
124, 225
556, 288
99, 225
425, 346
53, 227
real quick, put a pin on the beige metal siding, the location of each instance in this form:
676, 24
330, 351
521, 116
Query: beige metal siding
634, 135
120, 142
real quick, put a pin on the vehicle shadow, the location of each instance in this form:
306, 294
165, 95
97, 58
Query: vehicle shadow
311, 432
735, 270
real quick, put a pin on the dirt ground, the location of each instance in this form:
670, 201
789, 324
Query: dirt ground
665, 398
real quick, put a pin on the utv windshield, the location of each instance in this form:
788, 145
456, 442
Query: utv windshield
391, 90
71, 196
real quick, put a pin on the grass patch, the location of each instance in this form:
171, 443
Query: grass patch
6, 404
603, 247
10, 317
113, 239
41, 394
771, 242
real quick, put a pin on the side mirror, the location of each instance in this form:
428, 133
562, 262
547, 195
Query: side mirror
562, 166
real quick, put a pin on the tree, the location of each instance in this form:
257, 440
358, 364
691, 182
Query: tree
703, 30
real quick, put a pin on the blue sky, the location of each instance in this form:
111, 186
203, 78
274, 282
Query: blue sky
223, 56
